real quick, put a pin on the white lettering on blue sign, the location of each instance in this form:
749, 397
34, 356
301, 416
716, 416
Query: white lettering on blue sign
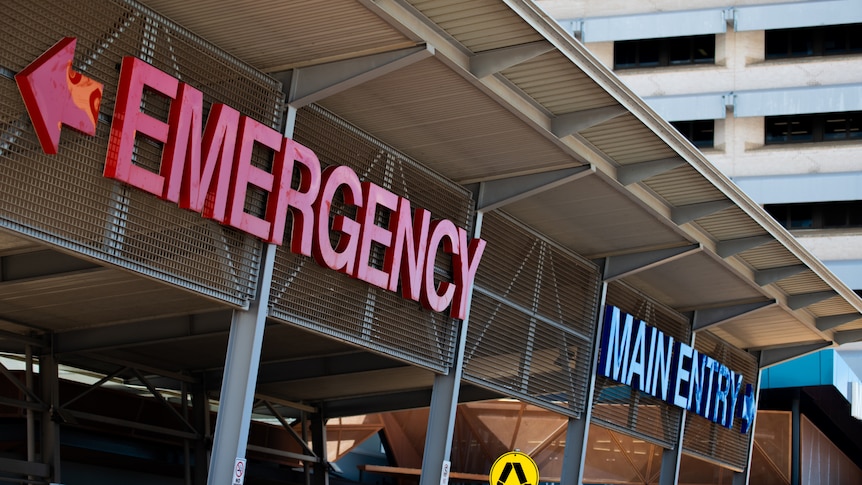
643, 357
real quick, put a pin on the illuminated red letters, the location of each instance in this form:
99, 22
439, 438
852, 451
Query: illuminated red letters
207, 169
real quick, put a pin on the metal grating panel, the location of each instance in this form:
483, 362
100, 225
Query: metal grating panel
627, 140
730, 223
302, 291
307, 32
433, 114
623, 408
479, 25
832, 306
532, 321
770, 255
805, 282
684, 185
711, 440
64, 200
558, 85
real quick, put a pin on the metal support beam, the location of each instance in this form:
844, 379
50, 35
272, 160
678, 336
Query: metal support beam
795, 302
240, 378
777, 355
444, 402
825, 323
311, 84
201, 416
847, 336
671, 459
731, 247
716, 316
161, 329
498, 193
795, 437
578, 430
320, 476
687, 213
742, 477
570, 123
638, 172
21, 467
50, 444
493, 61
764, 277
617, 267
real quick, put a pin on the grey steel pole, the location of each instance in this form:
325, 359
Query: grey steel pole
240, 378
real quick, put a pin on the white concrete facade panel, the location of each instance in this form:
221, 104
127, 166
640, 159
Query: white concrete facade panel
710, 106
654, 25
746, 156
831, 246
815, 99
833, 76
570, 9
801, 14
815, 187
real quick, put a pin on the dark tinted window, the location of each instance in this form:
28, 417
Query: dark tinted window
698, 49
819, 215
814, 41
699, 132
814, 127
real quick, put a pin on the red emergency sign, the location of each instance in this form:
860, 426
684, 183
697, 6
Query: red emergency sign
207, 168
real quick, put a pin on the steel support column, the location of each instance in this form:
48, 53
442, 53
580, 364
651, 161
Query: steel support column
50, 376
742, 478
671, 459
578, 430
201, 420
444, 403
795, 441
320, 475
240, 378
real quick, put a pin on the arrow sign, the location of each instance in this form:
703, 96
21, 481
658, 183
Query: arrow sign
55, 95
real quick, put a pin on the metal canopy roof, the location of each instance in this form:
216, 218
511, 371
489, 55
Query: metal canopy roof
487, 92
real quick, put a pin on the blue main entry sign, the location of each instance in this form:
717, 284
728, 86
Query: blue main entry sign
643, 357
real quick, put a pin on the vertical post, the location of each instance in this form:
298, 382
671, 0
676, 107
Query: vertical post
444, 402
49, 374
240, 378
578, 430
318, 444
241, 365
306, 466
742, 478
670, 459
201, 411
187, 465
31, 422
795, 438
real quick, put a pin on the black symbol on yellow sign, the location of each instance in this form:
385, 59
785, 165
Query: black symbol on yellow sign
514, 468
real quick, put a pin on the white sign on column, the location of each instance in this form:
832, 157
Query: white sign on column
239, 472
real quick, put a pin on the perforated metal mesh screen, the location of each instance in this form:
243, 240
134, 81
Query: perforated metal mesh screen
64, 200
623, 408
532, 320
710, 440
308, 295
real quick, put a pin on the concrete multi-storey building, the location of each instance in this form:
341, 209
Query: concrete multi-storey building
771, 91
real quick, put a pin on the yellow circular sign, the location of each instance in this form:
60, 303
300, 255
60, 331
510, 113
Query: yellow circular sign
514, 468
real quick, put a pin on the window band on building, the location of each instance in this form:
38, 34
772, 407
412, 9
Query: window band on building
672, 51
818, 127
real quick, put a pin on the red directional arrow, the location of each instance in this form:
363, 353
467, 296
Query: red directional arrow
55, 95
